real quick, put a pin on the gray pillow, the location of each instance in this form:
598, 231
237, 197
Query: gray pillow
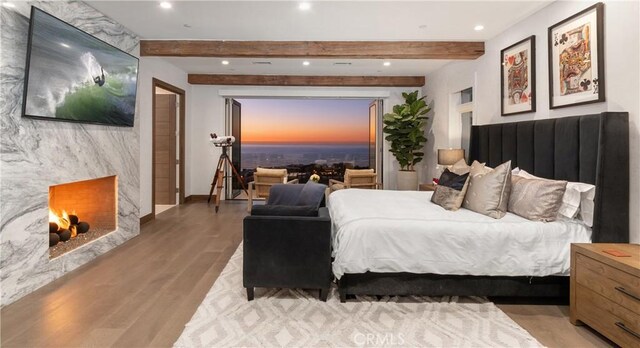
536, 199
284, 194
488, 191
312, 194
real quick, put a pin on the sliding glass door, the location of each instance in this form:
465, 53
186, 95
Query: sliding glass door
305, 136
375, 137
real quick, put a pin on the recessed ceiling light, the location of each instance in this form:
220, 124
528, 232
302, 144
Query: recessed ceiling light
478, 27
304, 6
305, 63
225, 62
386, 63
64, 45
9, 4
166, 5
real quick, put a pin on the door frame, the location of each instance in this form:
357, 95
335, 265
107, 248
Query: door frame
379, 147
182, 100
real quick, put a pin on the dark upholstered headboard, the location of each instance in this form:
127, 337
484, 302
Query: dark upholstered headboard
593, 149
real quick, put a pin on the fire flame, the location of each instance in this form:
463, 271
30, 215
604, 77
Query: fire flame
62, 218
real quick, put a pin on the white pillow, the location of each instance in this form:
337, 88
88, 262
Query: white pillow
587, 205
577, 200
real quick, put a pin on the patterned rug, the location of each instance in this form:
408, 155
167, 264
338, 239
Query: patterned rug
296, 318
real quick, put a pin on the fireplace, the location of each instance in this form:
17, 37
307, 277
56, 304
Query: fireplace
80, 212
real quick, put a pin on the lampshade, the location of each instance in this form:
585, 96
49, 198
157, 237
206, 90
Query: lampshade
447, 157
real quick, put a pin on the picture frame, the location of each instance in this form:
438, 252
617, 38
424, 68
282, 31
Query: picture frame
518, 77
576, 59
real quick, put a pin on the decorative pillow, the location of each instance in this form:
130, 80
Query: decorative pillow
577, 200
312, 194
536, 199
479, 168
460, 167
450, 191
284, 194
488, 191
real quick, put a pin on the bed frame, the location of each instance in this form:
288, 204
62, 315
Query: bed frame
591, 148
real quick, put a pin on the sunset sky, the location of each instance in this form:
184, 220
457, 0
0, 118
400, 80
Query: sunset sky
305, 121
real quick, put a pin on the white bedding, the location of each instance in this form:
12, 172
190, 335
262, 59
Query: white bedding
402, 231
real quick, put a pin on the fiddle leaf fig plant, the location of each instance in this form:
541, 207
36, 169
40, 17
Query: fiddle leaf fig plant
404, 129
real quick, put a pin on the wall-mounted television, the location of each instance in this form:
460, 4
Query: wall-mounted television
73, 76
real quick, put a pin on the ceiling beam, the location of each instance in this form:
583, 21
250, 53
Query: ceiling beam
313, 49
294, 80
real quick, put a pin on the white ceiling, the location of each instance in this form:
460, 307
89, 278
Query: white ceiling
325, 21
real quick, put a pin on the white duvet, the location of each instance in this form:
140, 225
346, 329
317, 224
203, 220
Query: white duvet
402, 231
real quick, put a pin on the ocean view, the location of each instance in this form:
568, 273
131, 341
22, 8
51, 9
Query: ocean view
275, 155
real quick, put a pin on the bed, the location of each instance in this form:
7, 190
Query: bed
399, 243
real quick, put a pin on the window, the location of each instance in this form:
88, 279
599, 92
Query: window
464, 112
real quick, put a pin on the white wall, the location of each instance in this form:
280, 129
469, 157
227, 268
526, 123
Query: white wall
207, 116
622, 60
159, 68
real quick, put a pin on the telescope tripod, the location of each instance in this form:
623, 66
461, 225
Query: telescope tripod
218, 178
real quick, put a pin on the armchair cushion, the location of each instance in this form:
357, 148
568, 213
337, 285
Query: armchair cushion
271, 172
311, 194
284, 210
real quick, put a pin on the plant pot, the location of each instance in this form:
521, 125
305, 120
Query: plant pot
407, 180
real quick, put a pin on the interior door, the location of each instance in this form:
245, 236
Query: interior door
165, 149
236, 159
375, 140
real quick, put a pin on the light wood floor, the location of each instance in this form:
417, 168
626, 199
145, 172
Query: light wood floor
142, 293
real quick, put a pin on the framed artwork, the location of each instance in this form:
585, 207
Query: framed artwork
518, 77
576, 59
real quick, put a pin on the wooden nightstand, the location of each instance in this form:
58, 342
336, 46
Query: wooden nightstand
427, 187
605, 291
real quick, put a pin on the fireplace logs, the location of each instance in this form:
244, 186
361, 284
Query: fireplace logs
64, 227
54, 238
83, 227
65, 235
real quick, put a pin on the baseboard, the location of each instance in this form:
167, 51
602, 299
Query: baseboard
196, 198
146, 218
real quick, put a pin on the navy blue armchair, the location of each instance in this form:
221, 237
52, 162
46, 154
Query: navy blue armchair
287, 242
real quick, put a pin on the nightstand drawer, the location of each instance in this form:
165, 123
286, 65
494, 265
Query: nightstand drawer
614, 321
618, 286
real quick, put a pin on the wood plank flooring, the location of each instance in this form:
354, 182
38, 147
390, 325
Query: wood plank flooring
142, 293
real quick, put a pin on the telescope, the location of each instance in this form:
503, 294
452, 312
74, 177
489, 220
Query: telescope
222, 140
218, 178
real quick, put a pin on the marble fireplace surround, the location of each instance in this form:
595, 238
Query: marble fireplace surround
36, 154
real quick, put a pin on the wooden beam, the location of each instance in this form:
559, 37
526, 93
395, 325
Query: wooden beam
314, 49
294, 80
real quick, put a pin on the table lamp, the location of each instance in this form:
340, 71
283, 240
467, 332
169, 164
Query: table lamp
447, 158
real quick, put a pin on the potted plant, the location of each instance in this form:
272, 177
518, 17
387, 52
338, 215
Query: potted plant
404, 129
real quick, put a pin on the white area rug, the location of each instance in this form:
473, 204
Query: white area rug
296, 318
